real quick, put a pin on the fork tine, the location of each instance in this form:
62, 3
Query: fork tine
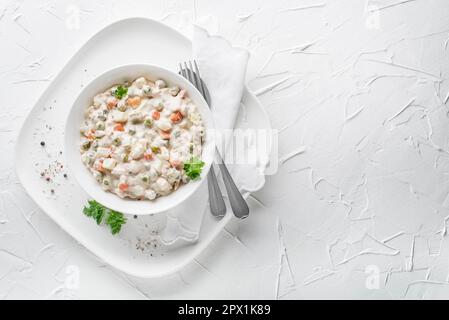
181, 70
200, 82
195, 78
187, 72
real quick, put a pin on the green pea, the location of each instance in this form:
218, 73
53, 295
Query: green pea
116, 141
86, 145
148, 123
155, 149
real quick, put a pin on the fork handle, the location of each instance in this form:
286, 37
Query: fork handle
238, 204
216, 202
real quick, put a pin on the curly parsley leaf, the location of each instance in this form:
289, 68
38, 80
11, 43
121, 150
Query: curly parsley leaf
115, 220
100, 213
193, 168
120, 92
95, 211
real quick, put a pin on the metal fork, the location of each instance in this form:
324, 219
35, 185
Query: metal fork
238, 204
216, 202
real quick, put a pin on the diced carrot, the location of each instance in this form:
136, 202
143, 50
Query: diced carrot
176, 163
112, 103
99, 166
156, 115
90, 134
134, 101
175, 117
148, 156
165, 135
123, 186
119, 127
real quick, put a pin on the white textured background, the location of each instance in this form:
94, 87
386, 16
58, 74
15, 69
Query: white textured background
359, 92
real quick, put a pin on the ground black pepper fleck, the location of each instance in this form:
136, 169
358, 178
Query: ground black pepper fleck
65, 175
135, 216
42, 143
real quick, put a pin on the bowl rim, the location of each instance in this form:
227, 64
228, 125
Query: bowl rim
94, 190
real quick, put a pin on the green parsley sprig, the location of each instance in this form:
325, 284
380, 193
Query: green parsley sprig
100, 213
193, 168
115, 220
120, 92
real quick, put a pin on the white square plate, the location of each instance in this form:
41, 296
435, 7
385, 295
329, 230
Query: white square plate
141, 41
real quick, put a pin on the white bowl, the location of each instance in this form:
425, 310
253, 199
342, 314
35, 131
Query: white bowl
76, 118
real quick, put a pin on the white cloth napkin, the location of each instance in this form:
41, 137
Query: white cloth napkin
223, 70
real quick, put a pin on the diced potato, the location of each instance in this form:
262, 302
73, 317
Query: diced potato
195, 118
140, 82
164, 124
160, 83
137, 151
103, 152
150, 194
162, 186
109, 163
136, 191
135, 167
174, 90
99, 133
119, 116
